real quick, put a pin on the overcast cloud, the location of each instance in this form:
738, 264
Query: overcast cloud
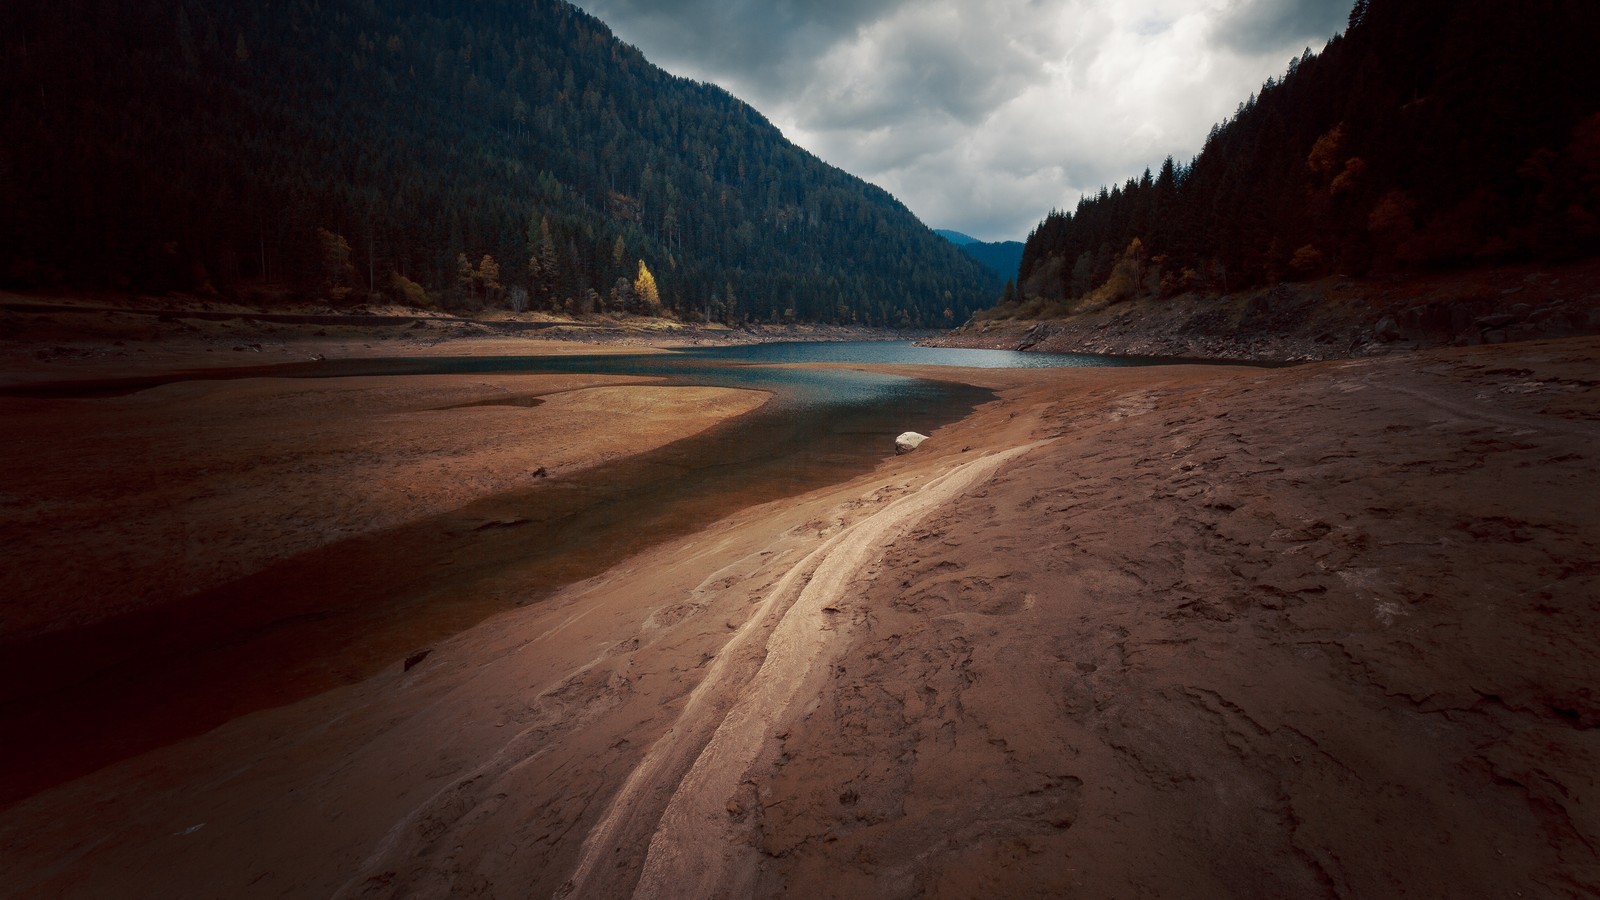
983, 115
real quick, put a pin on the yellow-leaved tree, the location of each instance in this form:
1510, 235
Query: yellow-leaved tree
644, 286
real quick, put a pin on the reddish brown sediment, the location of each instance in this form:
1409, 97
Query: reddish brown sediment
182, 555
1179, 631
118, 503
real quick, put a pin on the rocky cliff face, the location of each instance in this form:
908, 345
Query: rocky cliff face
1328, 319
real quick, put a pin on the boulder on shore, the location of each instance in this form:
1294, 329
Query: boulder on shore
908, 442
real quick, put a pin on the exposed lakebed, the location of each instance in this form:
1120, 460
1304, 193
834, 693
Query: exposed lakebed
92, 695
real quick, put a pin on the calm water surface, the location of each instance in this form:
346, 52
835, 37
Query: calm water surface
907, 353
728, 366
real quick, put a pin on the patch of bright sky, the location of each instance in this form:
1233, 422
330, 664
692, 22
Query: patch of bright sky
983, 116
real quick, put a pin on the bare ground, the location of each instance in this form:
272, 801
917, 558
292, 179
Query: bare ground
121, 503
1332, 318
47, 337
166, 548
1184, 632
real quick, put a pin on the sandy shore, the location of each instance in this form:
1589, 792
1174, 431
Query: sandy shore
45, 337
164, 545
119, 503
1182, 632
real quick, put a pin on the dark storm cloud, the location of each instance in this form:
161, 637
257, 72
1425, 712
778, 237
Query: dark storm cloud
1262, 25
942, 64
982, 116
766, 44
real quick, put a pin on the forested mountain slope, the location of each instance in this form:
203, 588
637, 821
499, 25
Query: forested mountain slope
1433, 133
999, 257
481, 152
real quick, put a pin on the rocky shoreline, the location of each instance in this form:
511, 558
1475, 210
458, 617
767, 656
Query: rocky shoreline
1329, 319
49, 337
38, 322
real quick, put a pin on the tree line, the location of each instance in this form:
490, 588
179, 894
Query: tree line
1430, 133
503, 152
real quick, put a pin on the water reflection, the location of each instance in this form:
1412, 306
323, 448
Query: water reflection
907, 353
758, 366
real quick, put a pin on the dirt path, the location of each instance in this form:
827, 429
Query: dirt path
692, 848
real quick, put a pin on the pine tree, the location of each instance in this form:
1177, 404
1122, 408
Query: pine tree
466, 277
1358, 13
336, 268
545, 267
488, 275
186, 45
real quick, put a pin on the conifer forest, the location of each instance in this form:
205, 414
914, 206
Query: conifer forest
496, 153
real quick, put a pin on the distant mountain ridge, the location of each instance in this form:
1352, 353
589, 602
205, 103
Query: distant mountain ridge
498, 152
1000, 257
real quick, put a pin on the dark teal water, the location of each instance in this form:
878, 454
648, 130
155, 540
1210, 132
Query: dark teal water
907, 353
735, 366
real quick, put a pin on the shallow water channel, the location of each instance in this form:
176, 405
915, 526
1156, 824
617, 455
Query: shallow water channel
345, 611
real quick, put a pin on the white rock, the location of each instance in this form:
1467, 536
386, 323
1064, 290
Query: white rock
908, 442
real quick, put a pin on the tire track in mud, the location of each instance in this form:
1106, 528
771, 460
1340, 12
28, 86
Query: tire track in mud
1483, 412
757, 682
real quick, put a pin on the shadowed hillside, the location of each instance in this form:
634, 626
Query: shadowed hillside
494, 153
999, 257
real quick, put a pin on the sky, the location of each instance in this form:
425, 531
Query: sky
983, 115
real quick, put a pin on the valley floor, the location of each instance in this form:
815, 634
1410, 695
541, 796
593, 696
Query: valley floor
1180, 631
